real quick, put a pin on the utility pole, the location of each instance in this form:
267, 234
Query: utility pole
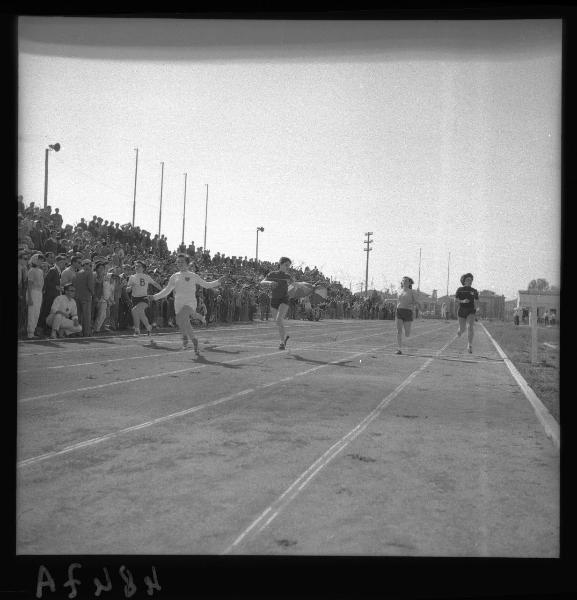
205, 216
419, 280
368, 249
448, 263
184, 208
135, 176
161, 184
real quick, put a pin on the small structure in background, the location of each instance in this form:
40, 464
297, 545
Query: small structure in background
546, 302
538, 303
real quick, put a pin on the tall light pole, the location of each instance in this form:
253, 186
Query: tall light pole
205, 216
448, 264
135, 177
56, 148
419, 280
261, 229
161, 185
368, 249
184, 208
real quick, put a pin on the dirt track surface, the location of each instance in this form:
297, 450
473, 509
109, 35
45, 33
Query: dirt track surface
336, 446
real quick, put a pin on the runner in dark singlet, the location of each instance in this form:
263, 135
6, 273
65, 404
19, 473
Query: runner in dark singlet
467, 298
279, 281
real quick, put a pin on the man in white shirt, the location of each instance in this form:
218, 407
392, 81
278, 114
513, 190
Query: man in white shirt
34, 293
63, 317
183, 284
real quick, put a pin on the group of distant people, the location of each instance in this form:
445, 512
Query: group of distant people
78, 279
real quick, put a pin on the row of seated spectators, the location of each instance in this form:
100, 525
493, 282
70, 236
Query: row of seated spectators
51, 254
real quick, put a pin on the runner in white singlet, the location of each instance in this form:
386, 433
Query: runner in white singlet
183, 284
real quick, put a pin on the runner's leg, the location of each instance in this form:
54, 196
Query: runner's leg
407, 328
183, 322
281, 312
399, 334
462, 326
470, 330
136, 318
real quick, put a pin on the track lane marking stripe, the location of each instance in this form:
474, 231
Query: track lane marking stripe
543, 415
300, 483
167, 373
113, 434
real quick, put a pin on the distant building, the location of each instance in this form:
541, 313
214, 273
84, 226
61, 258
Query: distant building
510, 306
491, 305
546, 301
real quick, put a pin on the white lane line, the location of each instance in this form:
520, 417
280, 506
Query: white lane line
96, 340
545, 418
167, 373
164, 341
300, 483
97, 440
108, 436
200, 332
144, 377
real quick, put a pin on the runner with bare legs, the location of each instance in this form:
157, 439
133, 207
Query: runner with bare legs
404, 316
279, 281
183, 284
467, 298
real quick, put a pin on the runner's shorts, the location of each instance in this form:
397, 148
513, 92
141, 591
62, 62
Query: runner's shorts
276, 302
405, 314
463, 313
138, 299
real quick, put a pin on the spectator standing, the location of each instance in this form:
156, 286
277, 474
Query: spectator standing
115, 294
84, 285
34, 293
51, 289
51, 244
57, 219
37, 236
100, 302
22, 292
68, 275
62, 247
264, 305
516, 317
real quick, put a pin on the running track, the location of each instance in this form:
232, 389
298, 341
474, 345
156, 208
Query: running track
335, 446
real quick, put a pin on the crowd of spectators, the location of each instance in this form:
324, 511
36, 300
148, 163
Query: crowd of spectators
97, 257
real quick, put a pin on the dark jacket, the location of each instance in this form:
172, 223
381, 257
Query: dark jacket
52, 283
84, 284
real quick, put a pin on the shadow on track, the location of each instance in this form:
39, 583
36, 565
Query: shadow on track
214, 349
50, 343
342, 363
203, 360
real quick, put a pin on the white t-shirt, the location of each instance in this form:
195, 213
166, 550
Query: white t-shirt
139, 284
184, 286
66, 305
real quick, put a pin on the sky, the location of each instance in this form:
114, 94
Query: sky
442, 138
